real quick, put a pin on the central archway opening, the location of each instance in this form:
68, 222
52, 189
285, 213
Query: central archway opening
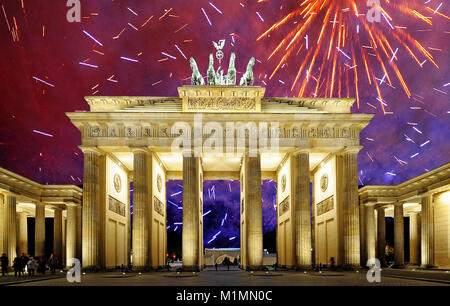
221, 220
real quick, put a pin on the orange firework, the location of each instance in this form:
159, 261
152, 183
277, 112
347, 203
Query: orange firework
330, 40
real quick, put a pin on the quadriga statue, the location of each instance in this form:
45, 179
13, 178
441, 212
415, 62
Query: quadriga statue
231, 76
218, 77
248, 79
196, 78
211, 74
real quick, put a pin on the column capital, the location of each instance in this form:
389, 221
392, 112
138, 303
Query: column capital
8, 193
71, 204
370, 204
145, 150
380, 208
425, 194
301, 151
22, 212
350, 150
399, 203
251, 153
87, 149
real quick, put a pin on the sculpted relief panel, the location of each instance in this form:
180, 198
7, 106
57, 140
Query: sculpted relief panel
130, 132
113, 132
284, 206
96, 131
325, 206
117, 206
221, 104
158, 206
286, 131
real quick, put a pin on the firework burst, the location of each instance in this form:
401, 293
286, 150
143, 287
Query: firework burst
338, 44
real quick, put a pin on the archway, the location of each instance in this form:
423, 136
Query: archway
221, 220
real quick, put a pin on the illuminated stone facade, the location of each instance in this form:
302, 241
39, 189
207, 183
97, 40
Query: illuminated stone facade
133, 137
425, 200
20, 199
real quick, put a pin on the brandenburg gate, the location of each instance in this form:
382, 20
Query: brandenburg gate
214, 132
307, 142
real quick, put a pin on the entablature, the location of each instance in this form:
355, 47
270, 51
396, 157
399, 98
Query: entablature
150, 128
28, 190
434, 181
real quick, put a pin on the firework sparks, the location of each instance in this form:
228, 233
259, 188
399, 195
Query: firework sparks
92, 37
42, 133
42, 81
206, 16
330, 25
129, 59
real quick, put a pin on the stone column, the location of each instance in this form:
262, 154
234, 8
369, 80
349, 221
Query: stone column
191, 213
71, 233
363, 236
91, 209
350, 209
63, 244
57, 234
141, 203
79, 238
302, 206
399, 239
370, 230
39, 232
381, 234
414, 238
2, 222
22, 233
10, 229
427, 232
129, 229
254, 211
313, 229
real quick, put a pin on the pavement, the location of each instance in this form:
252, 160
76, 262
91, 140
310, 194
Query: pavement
236, 277
10, 279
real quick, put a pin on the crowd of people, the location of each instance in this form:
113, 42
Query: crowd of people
31, 265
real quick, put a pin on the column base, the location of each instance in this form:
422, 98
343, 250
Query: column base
303, 268
191, 268
384, 265
92, 269
427, 267
141, 269
254, 268
399, 266
351, 267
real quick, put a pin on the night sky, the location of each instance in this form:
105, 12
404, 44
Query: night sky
221, 207
48, 65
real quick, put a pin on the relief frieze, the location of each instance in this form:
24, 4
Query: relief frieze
221, 104
282, 132
116, 206
284, 206
325, 206
158, 206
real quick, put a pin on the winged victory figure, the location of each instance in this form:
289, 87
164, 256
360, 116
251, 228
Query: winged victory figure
248, 79
231, 76
211, 74
196, 78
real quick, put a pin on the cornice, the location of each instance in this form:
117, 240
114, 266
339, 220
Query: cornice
418, 187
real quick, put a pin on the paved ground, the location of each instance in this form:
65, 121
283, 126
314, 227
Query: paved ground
11, 279
389, 277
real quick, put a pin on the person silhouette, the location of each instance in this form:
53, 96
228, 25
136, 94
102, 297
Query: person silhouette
4, 262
